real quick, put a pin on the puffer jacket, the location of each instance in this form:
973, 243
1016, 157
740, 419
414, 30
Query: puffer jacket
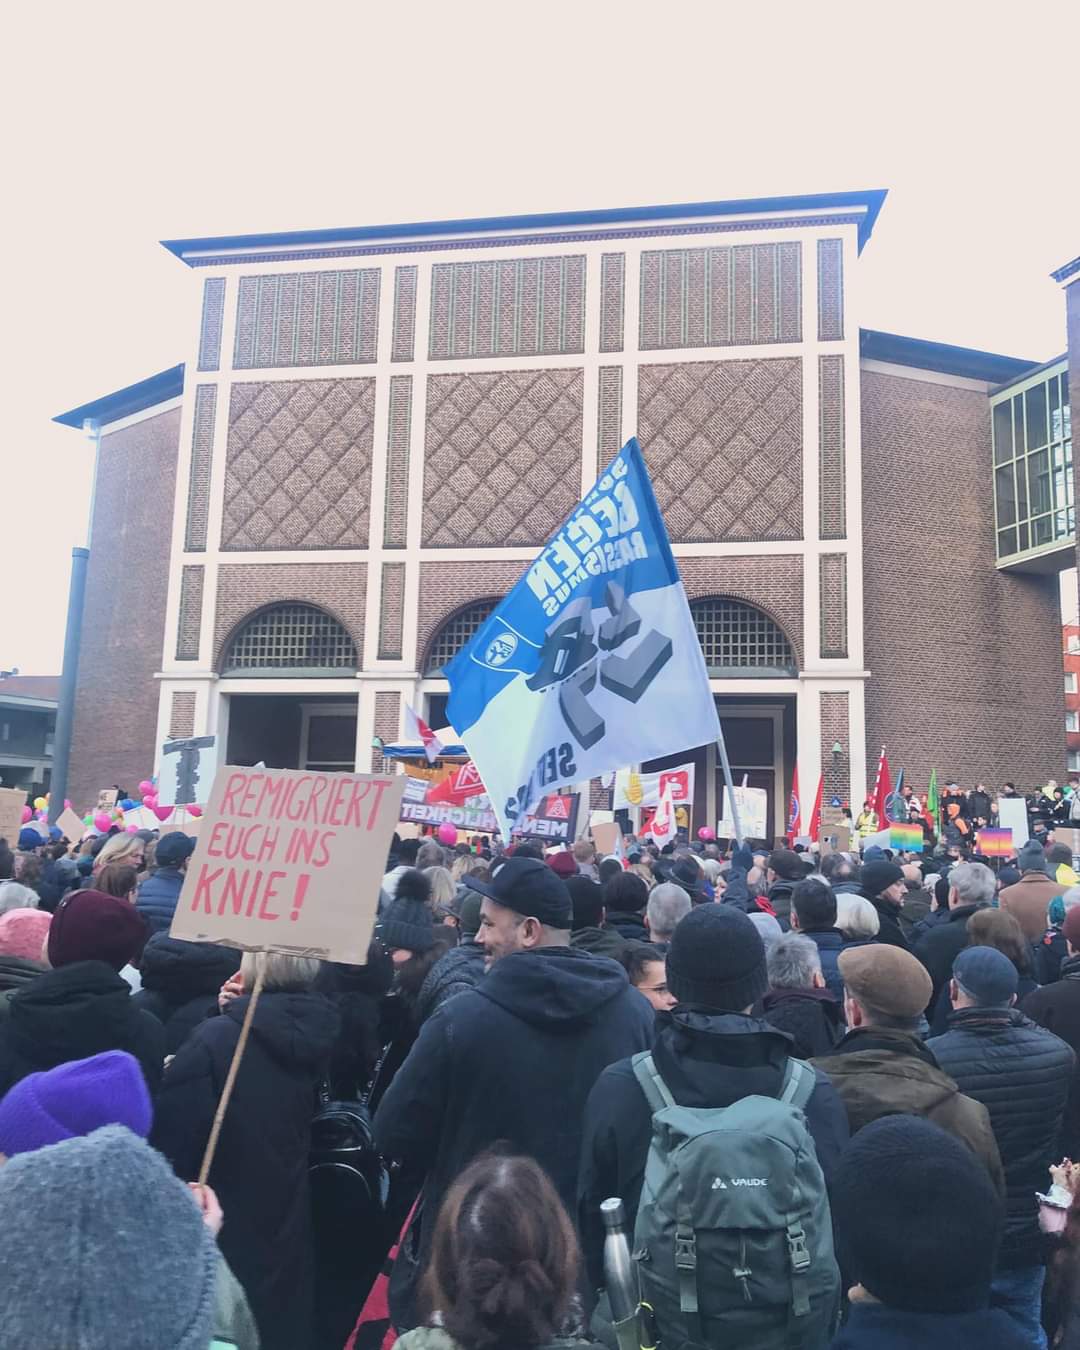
1021, 1074
157, 898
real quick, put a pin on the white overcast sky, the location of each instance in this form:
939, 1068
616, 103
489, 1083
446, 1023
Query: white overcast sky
127, 123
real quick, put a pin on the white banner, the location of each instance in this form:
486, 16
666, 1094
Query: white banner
644, 789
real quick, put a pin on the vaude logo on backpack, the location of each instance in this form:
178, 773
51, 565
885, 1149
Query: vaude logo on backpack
733, 1239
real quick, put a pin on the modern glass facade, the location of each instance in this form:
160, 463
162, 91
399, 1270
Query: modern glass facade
1033, 473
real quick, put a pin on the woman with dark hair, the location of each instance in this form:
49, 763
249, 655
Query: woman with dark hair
504, 1263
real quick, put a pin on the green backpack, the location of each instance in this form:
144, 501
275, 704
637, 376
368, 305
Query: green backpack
733, 1239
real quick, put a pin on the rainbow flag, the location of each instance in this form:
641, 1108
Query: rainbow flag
906, 838
994, 843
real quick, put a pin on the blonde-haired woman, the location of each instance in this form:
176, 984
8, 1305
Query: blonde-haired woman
129, 849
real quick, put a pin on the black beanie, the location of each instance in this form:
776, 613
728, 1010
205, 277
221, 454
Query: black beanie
717, 959
917, 1217
408, 923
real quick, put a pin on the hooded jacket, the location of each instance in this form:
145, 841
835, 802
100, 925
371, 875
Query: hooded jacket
459, 969
881, 1072
599, 942
706, 1058
72, 1013
181, 982
157, 898
513, 1059
628, 926
260, 1169
1021, 1074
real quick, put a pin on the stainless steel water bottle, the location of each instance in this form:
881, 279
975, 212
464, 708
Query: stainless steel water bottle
620, 1277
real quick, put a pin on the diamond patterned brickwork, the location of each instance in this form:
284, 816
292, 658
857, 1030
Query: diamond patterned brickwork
243, 588
723, 440
721, 297
391, 611
307, 319
213, 312
830, 268
771, 583
401, 346
609, 416
396, 506
202, 455
832, 472
447, 587
833, 605
387, 728
612, 298
182, 714
189, 620
503, 456
836, 769
521, 307
298, 471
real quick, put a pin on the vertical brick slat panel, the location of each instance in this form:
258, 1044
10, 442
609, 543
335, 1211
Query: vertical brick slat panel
387, 721
190, 616
612, 301
830, 266
213, 312
832, 499
401, 347
833, 574
391, 611
202, 455
182, 714
609, 413
836, 770
396, 513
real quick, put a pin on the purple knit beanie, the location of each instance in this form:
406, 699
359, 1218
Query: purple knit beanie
75, 1099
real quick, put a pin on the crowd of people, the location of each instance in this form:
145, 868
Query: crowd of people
837, 1096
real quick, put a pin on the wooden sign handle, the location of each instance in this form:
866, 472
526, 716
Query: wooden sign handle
230, 1078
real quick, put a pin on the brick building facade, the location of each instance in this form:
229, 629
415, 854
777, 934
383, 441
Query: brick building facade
379, 427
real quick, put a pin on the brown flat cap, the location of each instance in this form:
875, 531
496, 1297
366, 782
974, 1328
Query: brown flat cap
886, 979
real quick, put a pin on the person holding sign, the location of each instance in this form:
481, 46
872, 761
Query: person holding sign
260, 1168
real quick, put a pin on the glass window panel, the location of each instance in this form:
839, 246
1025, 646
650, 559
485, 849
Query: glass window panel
454, 634
1003, 448
1006, 542
1072, 721
1023, 540
1035, 406
1038, 468
1041, 531
734, 635
1056, 421
1005, 491
291, 637
1018, 425
1021, 490
1074, 760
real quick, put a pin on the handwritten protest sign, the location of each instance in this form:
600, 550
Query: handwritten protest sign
12, 801
290, 861
71, 824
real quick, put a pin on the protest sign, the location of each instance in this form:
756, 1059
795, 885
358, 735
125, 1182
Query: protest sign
106, 800
71, 825
643, 789
290, 861
592, 661
187, 769
994, 843
473, 813
12, 801
554, 819
753, 804
1012, 815
606, 837
142, 818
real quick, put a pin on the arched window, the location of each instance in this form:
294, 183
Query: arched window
737, 639
453, 635
290, 639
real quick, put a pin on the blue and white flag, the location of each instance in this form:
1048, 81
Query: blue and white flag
592, 662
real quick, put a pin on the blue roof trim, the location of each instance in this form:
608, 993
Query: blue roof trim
133, 398
870, 201
1068, 270
968, 362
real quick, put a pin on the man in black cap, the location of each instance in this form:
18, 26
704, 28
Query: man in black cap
514, 1059
883, 885
1021, 1074
710, 1053
918, 1224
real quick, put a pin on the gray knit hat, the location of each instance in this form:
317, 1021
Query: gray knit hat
104, 1246
408, 923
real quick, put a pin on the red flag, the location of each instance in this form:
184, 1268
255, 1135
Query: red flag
882, 790
815, 815
794, 805
419, 729
459, 787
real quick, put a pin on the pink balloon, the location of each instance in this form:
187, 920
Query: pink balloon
195, 811
102, 822
705, 833
162, 812
150, 800
146, 786
27, 815
132, 829
447, 834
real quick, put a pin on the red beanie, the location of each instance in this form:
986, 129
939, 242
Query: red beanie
93, 926
563, 864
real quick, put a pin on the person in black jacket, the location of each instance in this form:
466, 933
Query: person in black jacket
782, 871
513, 1059
357, 992
1021, 1074
813, 913
82, 1006
1057, 1008
625, 898
709, 1051
883, 885
158, 894
260, 1169
180, 983
590, 931
971, 888
797, 1000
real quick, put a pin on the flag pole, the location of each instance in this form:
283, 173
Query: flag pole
729, 783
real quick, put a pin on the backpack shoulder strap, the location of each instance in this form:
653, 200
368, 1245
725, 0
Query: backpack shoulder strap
648, 1076
799, 1083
